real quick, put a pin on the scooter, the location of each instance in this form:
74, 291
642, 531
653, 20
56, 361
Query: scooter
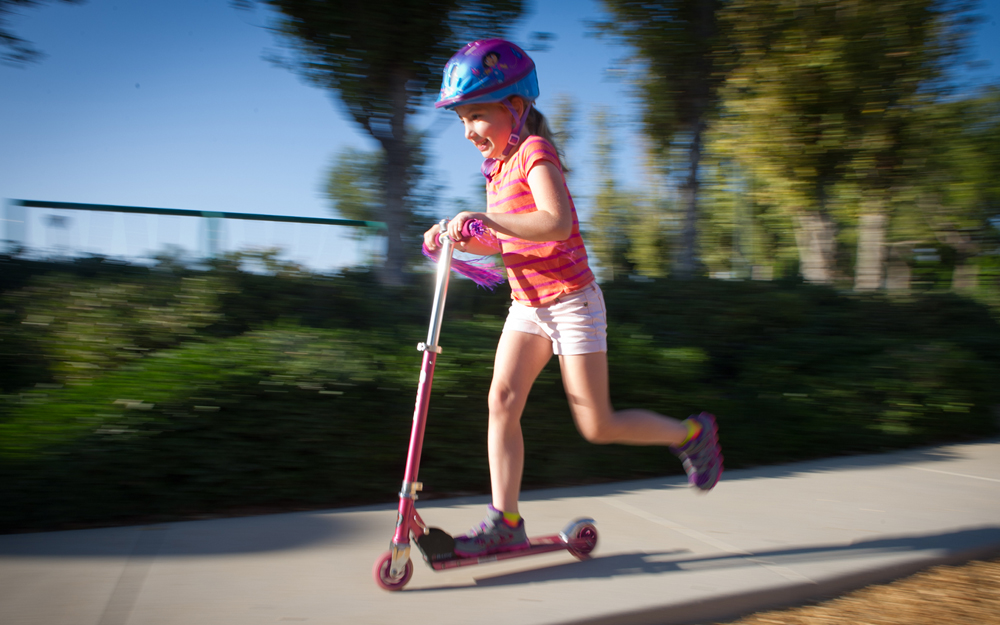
394, 568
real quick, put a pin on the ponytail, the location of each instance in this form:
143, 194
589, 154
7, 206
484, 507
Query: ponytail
536, 124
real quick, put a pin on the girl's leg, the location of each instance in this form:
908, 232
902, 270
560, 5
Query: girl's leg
585, 378
520, 358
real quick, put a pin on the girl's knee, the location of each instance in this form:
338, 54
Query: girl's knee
598, 432
595, 423
504, 404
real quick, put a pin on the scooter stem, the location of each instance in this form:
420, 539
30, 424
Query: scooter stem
408, 493
440, 290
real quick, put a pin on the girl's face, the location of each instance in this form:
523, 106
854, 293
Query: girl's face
487, 126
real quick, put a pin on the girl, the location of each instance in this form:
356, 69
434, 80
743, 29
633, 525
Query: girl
557, 306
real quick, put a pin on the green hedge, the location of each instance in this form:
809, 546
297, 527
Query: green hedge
137, 393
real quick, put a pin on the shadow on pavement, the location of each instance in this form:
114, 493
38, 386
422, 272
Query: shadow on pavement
277, 532
941, 546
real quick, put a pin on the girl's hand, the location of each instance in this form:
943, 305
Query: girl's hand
454, 232
431, 237
457, 222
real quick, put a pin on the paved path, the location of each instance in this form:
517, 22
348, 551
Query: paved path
666, 554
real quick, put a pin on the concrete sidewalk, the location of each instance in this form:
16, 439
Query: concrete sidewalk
666, 554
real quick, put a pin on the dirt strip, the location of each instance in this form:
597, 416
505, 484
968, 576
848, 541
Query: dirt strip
945, 595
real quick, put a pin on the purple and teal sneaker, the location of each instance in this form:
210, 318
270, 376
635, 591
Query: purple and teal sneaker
493, 535
702, 456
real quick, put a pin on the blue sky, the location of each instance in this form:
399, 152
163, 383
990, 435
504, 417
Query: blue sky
172, 105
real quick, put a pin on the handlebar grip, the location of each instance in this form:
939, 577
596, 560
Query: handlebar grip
473, 227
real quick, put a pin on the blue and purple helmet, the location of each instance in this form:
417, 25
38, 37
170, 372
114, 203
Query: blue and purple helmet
488, 70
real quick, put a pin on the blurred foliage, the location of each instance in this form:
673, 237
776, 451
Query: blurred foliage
606, 230
939, 220
678, 68
281, 389
374, 53
14, 50
957, 196
92, 327
563, 123
356, 190
822, 109
354, 184
626, 232
822, 139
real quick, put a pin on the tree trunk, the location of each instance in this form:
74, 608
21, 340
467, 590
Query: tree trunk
965, 278
868, 269
814, 237
898, 270
687, 255
397, 183
701, 90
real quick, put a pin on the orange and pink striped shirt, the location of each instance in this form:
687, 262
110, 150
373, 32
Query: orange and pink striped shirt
538, 272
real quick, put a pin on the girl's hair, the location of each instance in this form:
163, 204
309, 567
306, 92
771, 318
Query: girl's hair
536, 124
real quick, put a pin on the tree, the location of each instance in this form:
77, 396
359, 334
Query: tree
626, 230
354, 184
13, 49
608, 232
383, 58
652, 210
958, 192
819, 108
675, 44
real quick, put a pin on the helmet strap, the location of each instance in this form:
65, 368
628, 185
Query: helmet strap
491, 165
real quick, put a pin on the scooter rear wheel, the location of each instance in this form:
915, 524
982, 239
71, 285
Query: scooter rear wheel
381, 573
585, 538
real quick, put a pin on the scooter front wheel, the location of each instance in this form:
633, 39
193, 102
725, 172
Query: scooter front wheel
381, 573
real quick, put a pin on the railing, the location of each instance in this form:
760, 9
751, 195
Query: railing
318, 250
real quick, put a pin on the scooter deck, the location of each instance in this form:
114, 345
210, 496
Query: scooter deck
542, 544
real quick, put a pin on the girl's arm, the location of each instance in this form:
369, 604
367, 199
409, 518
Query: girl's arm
477, 247
553, 221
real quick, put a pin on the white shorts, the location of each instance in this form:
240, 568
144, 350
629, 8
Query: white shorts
576, 323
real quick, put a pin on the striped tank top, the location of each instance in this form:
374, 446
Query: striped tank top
538, 272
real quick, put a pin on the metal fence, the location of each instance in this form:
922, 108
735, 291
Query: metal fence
42, 229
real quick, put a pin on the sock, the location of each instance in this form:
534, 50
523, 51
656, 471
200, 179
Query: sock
511, 518
694, 429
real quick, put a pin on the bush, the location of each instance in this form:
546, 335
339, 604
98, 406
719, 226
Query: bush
168, 394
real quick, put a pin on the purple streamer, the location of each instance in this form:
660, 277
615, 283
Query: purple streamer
484, 275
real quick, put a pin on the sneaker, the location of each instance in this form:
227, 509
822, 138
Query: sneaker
492, 536
702, 456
